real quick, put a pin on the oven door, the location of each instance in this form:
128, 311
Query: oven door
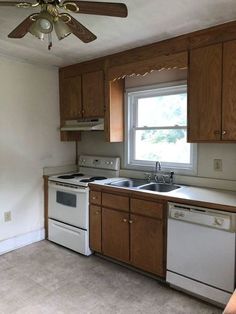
68, 204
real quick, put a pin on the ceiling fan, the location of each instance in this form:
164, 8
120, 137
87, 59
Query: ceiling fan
50, 17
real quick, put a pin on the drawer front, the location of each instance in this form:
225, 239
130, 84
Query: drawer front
147, 208
73, 238
115, 201
95, 197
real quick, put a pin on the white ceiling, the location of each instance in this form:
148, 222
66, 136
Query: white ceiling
148, 21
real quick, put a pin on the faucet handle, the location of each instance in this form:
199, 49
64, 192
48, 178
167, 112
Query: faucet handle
148, 176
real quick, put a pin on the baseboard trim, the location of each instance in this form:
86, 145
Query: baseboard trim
21, 240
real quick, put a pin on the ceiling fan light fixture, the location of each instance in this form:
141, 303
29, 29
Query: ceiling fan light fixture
62, 30
44, 22
36, 32
50, 17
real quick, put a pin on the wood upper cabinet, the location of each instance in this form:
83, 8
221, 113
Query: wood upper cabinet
90, 95
229, 92
212, 93
115, 234
82, 96
93, 94
147, 244
204, 94
70, 98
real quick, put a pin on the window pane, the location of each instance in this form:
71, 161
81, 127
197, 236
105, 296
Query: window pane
159, 111
163, 145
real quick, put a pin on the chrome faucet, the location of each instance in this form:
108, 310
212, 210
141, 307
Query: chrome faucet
158, 166
157, 169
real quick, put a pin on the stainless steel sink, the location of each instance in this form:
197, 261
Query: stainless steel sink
159, 187
129, 183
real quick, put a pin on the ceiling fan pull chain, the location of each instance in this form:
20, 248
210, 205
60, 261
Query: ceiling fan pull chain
49, 41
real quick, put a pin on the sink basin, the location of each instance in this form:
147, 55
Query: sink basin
159, 187
129, 183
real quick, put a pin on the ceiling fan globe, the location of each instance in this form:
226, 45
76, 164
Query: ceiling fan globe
61, 29
36, 32
44, 22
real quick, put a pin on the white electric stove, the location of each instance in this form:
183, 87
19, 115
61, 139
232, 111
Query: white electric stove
68, 208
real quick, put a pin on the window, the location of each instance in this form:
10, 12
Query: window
156, 129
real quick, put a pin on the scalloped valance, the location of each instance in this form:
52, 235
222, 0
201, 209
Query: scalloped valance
166, 62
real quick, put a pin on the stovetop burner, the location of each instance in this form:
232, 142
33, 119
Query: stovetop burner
92, 179
71, 176
86, 180
98, 178
66, 177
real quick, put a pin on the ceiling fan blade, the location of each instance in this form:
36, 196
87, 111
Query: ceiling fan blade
22, 29
80, 30
18, 4
96, 8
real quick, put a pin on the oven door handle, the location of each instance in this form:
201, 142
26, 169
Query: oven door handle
61, 187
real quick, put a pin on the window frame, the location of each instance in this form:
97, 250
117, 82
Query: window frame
131, 97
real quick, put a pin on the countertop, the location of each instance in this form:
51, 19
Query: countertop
186, 194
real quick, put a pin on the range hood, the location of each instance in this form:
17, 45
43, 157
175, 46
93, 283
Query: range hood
84, 125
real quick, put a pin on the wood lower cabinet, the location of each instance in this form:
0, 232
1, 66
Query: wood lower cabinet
129, 229
95, 228
115, 234
147, 244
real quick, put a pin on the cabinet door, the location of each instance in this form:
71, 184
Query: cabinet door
95, 228
93, 94
204, 97
147, 244
115, 234
71, 99
229, 92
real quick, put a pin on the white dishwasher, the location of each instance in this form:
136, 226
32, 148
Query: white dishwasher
201, 251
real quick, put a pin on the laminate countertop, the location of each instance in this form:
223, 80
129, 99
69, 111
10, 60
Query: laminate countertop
199, 196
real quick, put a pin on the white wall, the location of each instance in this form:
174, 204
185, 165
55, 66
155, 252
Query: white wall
94, 143
29, 141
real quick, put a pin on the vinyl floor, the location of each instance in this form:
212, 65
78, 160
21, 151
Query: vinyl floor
44, 278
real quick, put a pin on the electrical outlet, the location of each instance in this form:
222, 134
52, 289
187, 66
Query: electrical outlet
218, 165
7, 216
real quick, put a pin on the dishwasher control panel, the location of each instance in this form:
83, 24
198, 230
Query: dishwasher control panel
202, 216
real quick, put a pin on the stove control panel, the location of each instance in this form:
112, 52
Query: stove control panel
109, 163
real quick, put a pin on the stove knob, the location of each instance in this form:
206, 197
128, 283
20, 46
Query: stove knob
177, 215
219, 221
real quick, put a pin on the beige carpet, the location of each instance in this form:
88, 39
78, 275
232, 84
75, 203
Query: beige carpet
46, 278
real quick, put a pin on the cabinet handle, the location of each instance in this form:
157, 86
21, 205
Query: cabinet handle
124, 220
217, 132
224, 132
97, 212
94, 198
131, 221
